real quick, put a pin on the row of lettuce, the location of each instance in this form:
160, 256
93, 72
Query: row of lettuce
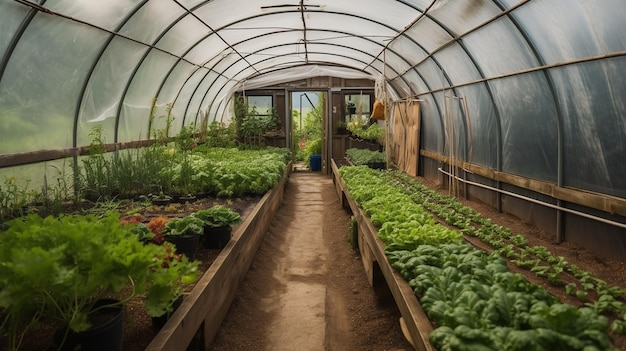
473, 300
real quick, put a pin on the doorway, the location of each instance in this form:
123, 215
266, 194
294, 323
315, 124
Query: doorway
308, 120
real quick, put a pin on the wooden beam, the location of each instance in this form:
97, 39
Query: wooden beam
23, 158
603, 202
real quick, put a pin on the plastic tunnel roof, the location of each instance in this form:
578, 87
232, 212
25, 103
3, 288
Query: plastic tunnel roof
540, 81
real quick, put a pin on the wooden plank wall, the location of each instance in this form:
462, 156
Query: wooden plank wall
405, 136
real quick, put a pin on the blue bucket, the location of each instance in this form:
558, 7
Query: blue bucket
316, 162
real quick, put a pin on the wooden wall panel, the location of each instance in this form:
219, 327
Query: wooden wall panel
406, 133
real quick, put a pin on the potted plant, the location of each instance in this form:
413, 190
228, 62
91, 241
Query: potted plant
160, 199
68, 269
217, 222
185, 233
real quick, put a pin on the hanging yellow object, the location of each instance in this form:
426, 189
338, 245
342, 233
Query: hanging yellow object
379, 110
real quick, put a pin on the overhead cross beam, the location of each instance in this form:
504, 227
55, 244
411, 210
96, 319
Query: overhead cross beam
302, 8
306, 49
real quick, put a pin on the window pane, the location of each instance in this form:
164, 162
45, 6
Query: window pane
261, 104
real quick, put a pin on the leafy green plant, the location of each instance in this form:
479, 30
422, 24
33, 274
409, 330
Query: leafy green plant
373, 132
588, 288
236, 172
58, 268
184, 227
313, 147
249, 124
359, 157
218, 216
161, 135
96, 178
182, 176
470, 295
220, 135
476, 303
13, 197
186, 139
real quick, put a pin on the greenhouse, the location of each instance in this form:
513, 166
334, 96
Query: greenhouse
470, 153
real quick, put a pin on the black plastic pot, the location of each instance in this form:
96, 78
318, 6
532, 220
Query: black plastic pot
377, 165
106, 333
185, 198
161, 202
216, 237
159, 322
186, 245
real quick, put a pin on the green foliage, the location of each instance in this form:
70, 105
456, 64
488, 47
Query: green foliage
360, 157
254, 125
314, 147
309, 132
96, 175
249, 124
606, 299
237, 172
58, 268
182, 176
126, 173
220, 135
401, 221
373, 132
12, 199
187, 226
477, 303
186, 139
160, 134
218, 216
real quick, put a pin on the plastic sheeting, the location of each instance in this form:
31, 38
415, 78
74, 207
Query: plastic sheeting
542, 79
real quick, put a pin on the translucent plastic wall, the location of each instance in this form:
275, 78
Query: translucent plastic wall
542, 83
528, 87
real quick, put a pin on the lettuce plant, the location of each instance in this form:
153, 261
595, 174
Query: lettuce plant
187, 226
218, 216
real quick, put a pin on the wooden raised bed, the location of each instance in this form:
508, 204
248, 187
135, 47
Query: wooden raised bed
379, 271
201, 313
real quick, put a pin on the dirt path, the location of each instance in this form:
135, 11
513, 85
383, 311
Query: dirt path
306, 289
